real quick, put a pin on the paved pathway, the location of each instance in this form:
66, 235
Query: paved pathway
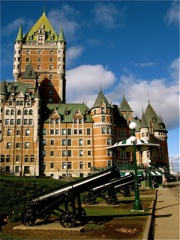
167, 215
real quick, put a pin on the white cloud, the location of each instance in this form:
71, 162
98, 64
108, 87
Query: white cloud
145, 64
108, 15
173, 14
73, 53
65, 17
84, 82
13, 26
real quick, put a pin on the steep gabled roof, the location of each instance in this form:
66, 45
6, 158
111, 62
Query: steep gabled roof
100, 99
143, 123
124, 107
49, 30
29, 72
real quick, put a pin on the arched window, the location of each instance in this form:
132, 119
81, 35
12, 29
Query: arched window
30, 112
12, 112
25, 112
7, 112
19, 112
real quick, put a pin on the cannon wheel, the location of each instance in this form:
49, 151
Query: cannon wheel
111, 201
87, 200
28, 218
46, 215
67, 219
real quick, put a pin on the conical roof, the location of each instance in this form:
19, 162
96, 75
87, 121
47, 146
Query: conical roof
101, 98
143, 123
61, 35
19, 35
124, 107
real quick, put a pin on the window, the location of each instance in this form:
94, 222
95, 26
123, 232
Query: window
88, 131
26, 169
103, 119
44, 131
32, 158
89, 164
11, 121
8, 145
52, 165
6, 121
52, 142
81, 165
51, 153
69, 142
8, 158
52, 121
57, 121
26, 145
44, 153
39, 51
7, 112
88, 142
17, 158
80, 121
39, 59
75, 120
25, 121
17, 145
18, 121
26, 158
63, 142
69, 165
69, 131
27, 59
52, 131
38, 66
51, 59
19, 112
27, 132
63, 153
51, 52
80, 131
50, 66
80, 153
16, 169
69, 153
89, 153
57, 131
108, 141
25, 112
102, 110
103, 130
80, 142
63, 165
9, 132
63, 131
50, 77
75, 131
1, 158
18, 132
50, 92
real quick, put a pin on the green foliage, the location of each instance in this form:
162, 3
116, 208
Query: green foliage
16, 192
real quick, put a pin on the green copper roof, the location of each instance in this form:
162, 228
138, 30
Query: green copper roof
124, 107
67, 111
3, 88
61, 35
29, 72
50, 33
101, 98
143, 123
19, 35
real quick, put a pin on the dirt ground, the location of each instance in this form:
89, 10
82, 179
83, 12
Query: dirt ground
116, 228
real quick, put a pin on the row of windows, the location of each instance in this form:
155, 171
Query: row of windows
67, 142
19, 112
39, 66
10, 144
20, 122
51, 52
7, 158
20, 103
39, 59
65, 131
68, 165
17, 169
9, 132
66, 153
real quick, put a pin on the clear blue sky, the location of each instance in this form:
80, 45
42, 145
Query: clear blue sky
126, 47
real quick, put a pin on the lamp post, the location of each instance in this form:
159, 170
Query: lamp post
137, 202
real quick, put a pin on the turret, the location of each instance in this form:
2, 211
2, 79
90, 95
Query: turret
61, 63
17, 54
3, 96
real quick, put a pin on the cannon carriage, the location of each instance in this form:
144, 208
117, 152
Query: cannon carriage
66, 200
109, 190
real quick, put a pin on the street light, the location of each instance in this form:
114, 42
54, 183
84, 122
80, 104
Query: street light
137, 202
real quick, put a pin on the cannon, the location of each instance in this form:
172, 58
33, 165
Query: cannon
67, 195
119, 185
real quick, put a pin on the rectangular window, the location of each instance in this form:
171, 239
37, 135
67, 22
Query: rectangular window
108, 141
11, 121
88, 131
69, 165
80, 142
63, 153
88, 142
27, 132
89, 164
52, 165
17, 158
26, 145
80, 131
63, 131
51, 153
52, 131
32, 158
75, 131
44, 131
63, 142
8, 158
16, 169
30, 121
25, 121
69, 142
52, 121
2, 158
52, 142
80, 153
57, 131
81, 165
57, 121
63, 165
44, 153
18, 121
8, 146
103, 119
9, 132
69, 131
69, 153
26, 169
103, 130
44, 142
26, 158
89, 153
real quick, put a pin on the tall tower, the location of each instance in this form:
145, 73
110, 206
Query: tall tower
45, 50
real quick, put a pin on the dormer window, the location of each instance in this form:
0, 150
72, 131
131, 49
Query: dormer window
51, 38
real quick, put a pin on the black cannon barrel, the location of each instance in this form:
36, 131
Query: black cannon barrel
115, 182
80, 185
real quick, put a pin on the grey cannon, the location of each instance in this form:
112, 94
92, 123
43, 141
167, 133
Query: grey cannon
67, 195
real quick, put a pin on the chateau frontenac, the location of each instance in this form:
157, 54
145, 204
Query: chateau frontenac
41, 134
